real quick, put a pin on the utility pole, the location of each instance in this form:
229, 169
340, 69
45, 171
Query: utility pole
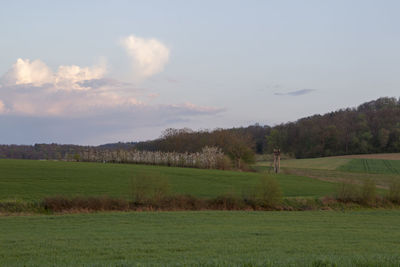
277, 160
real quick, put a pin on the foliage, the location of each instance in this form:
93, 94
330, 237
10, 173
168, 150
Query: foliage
394, 191
149, 187
368, 192
372, 127
269, 192
208, 158
348, 192
365, 194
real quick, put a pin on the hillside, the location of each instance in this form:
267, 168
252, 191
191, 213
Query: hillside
33, 180
372, 127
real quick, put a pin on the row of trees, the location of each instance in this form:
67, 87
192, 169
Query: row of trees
373, 127
208, 158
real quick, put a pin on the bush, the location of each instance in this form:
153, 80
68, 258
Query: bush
347, 192
269, 192
226, 202
368, 192
394, 191
149, 188
224, 163
62, 203
20, 206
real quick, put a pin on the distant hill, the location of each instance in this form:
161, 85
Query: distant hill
372, 127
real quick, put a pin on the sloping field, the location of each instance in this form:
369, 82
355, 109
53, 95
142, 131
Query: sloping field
328, 163
337, 162
382, 168
32, 180
388, 156
367, 238
365, 165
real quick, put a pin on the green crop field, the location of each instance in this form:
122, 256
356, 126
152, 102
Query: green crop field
202, 238
212, 238
328, 163
32, 180
372, 166
382, 168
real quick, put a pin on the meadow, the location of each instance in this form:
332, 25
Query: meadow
211, 238
383, 169
351, 237
33, 180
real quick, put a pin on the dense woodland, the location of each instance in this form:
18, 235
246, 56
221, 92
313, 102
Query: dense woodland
372, 127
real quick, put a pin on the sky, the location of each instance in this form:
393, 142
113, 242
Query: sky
95, 72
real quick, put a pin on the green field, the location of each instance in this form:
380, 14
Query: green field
32, 180
202, 238
382, 168
329, 163
372, 166
212, 238
378, 165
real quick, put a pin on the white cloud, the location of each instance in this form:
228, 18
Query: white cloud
31, 88
69, 77
37, 73
26, 72
76, 104
149, 56
2, 107
75, 91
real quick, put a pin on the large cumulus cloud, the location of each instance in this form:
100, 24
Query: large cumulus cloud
148, 56
80, 103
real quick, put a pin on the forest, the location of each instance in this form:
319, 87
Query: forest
372, 127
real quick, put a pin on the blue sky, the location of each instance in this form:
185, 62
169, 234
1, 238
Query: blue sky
92, 72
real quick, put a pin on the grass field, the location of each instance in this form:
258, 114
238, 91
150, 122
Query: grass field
32, 180
382, 168
329, 163
371, 163
202, 238
372, 166
365, 238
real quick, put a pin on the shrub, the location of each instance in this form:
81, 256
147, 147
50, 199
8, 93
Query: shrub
226, 202
269, 192
149, 188
394, 191
62, 203
19, 206
368, 192
347, 192
224, 163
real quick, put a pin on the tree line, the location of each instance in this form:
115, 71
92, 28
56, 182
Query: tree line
372, 127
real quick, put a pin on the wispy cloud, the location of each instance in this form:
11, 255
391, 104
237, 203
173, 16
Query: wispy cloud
297, 92
149, 56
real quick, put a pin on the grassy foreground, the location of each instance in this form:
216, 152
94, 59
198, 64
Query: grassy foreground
364, 238
34, 180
